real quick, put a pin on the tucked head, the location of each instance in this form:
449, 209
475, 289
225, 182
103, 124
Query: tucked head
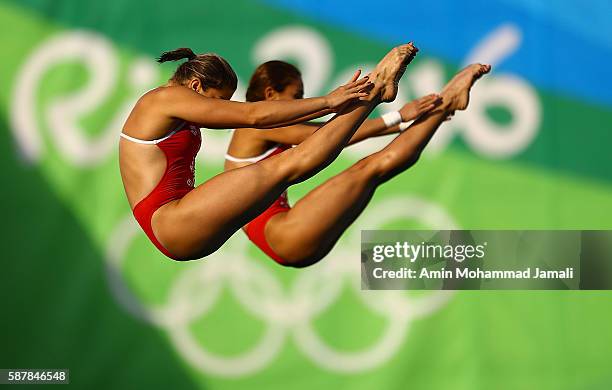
208, 74
275, 80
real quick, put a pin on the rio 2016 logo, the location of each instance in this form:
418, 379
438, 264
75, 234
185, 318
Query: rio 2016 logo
286, 314
315, 59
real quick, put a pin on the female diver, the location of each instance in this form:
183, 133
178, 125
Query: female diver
161, 138
304, 234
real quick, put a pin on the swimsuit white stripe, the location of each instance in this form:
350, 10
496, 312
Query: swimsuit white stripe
153, 141
251, 159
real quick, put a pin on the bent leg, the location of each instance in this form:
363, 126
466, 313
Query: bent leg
199, 223
206, 217
306, 233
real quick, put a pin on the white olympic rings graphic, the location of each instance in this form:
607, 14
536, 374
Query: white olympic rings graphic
196, 290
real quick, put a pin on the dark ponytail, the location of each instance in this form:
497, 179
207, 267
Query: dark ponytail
212, 70
178, 54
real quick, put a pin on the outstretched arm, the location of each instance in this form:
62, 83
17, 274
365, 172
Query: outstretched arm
296, 134
303, 120
183, 103
410, 111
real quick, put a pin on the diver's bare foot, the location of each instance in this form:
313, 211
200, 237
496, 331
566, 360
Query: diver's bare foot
456, 94
390, 69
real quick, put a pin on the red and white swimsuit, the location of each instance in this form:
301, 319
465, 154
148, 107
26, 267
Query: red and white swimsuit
180, 148
255, 229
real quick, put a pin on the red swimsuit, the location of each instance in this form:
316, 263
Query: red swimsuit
180, 148
255, 229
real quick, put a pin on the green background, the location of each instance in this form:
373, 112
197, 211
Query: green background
63, 218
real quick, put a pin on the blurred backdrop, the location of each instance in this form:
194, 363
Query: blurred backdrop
82, 288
